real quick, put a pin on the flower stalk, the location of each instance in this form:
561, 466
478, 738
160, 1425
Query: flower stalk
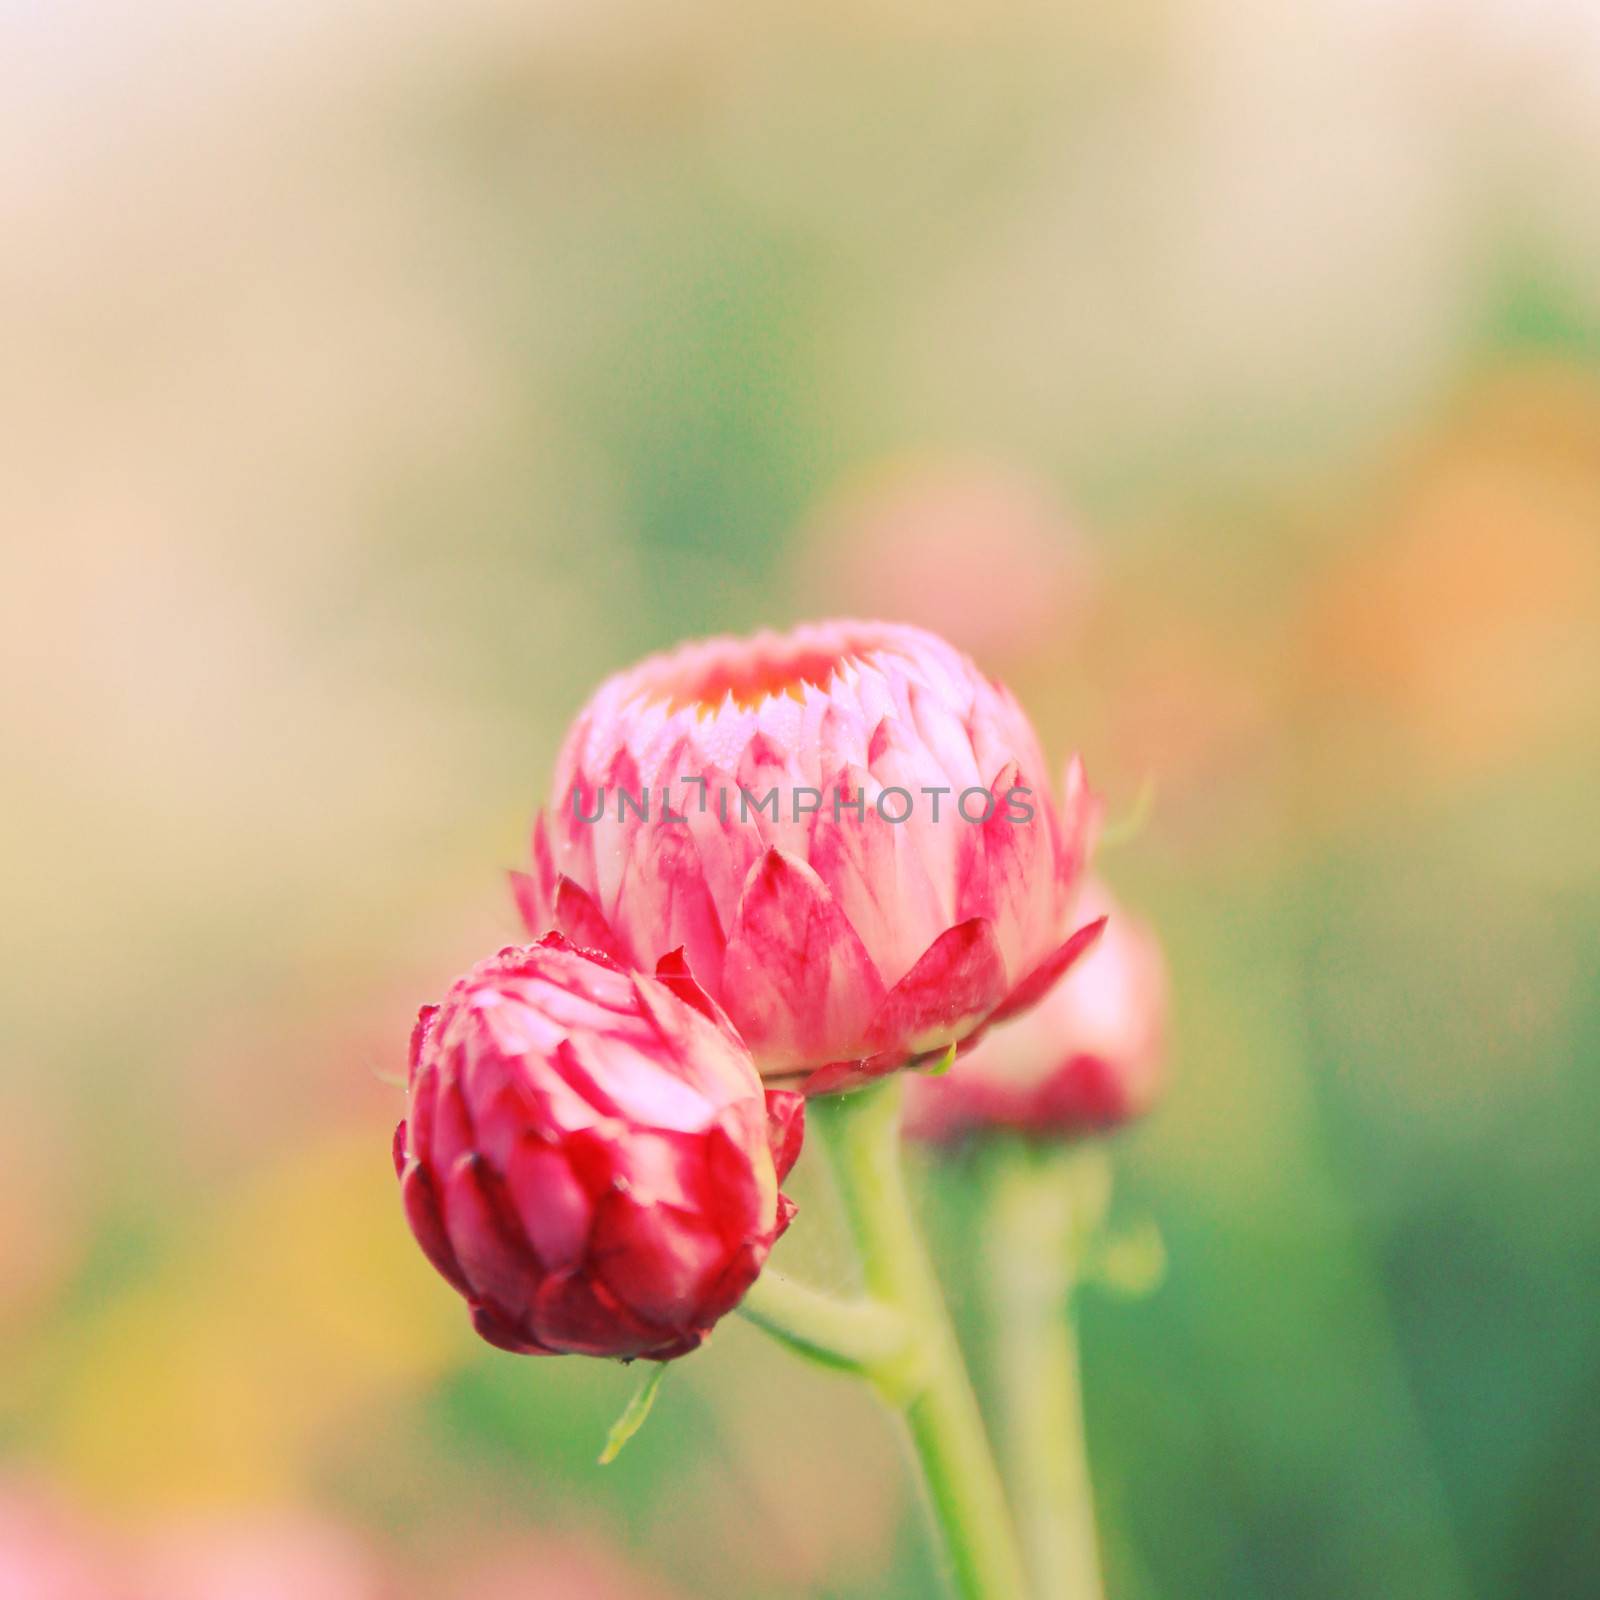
859, 1336
925, 1380
1046, 1208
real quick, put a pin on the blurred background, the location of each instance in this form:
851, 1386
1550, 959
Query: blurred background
374, 378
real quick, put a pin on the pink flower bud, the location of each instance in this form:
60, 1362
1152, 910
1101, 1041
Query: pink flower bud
1089, 1056
589, 1156
848, 830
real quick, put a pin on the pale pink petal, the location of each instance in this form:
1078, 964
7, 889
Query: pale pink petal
878, 873
670, 904
796, 974
544, 867
1044, 977
531, 905
1006, 871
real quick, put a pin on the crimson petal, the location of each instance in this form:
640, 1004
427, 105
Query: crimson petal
786, 1128
422, 1212
580, 919
674, 971
955, 984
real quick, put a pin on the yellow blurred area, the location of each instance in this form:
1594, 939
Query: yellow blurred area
296, 1305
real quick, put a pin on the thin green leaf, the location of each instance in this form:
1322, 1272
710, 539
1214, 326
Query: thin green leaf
633, 1414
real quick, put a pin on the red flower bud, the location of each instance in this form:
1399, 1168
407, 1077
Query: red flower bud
589, 1156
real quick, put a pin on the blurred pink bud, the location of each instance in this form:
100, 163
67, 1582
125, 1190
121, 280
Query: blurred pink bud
590, 1157
566, 1568
847, 829
47, 1554
274, 1557
1089, 1056
981, 554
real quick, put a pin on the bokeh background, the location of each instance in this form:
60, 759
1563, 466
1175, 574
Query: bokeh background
375, 377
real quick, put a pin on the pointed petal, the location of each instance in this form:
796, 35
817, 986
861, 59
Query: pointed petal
725, 849
452, 1124
669, 903
492, 1329
885, 876
674, 971
741, 1270
1077, 824
550, 1202
741, 1194
957, 981
944, 734
530, 903
556, 940
579, 918
600, 851
1007, 871
786, 1128
1044, 977
493, 1256
419, 1039
422, 1212
544, 867
419, 1124
797, 979
658, 1261
575, 1313
839, 1076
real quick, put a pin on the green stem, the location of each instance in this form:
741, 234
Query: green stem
856, 1336
1045, 1207
926, 1381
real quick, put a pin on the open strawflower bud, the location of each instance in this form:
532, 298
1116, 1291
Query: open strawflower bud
848, 829
588, 1156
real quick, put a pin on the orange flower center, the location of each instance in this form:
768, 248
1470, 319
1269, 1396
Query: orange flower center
750, 672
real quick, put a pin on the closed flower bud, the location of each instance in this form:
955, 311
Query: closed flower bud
848, 830
1088, 1057
589, 1156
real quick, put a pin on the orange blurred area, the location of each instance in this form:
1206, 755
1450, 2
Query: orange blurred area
1467, 617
